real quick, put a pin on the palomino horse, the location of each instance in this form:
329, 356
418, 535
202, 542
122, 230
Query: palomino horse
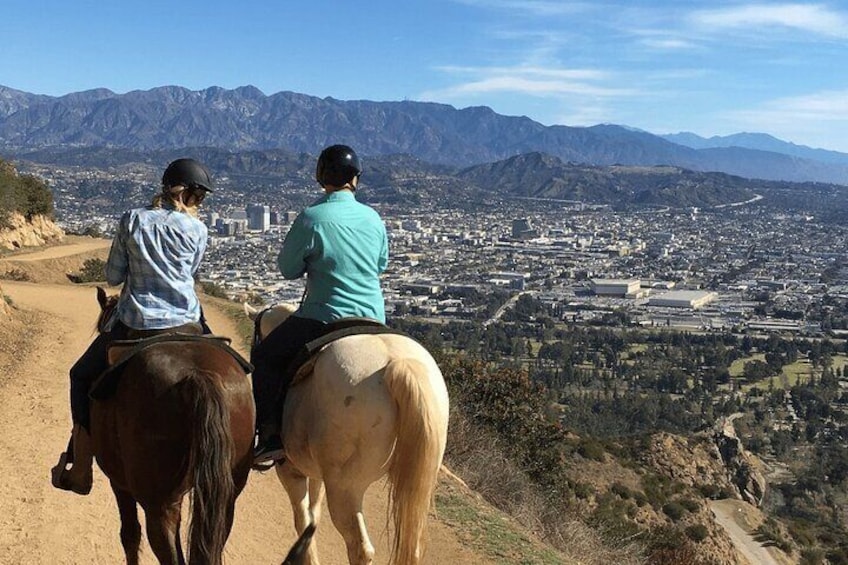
371, 405
181, 419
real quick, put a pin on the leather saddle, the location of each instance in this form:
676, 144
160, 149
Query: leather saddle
302, 364
121, 351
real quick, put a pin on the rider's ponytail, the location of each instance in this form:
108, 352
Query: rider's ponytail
172, 196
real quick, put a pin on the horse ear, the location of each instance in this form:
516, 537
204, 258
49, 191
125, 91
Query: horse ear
101, 297
250, 311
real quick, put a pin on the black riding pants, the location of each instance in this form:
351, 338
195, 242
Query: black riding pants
88, 367
95, 360
271, 360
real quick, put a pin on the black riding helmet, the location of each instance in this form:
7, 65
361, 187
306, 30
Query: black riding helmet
337, 166
188, 173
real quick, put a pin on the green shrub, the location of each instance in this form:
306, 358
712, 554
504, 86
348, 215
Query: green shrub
674, 510
93, 270
769, 532
655, 487
621, 490
690, 504
710, 491
583, 490
697, 532
16, 275
590, 448
213, 289
25, 194
812, 556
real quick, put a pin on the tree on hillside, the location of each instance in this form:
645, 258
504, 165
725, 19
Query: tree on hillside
25, 194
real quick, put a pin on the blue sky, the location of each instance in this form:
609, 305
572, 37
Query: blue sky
712, 67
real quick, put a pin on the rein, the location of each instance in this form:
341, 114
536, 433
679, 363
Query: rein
257, 338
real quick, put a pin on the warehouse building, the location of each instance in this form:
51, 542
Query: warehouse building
693, 299
625, 288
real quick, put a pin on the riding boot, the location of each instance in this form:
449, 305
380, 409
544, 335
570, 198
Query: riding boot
78, 478
269, 446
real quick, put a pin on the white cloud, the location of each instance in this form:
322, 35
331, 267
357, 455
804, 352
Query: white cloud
802, 119
669, 44
814, 18
532, 81
570, 74
821, 106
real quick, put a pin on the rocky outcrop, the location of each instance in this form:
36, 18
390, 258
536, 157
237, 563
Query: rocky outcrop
745, 470
29, 233
710, 462
692, 461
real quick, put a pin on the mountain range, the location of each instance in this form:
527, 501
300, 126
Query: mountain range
245, 119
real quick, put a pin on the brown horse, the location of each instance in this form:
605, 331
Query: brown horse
181, 419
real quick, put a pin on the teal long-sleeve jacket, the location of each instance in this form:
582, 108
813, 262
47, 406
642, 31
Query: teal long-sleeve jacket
342, 248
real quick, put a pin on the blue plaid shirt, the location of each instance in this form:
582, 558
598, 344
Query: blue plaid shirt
155, 254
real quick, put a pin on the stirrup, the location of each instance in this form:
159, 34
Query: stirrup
59, 477
266, 459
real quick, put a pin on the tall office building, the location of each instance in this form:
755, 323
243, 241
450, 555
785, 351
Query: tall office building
258, 217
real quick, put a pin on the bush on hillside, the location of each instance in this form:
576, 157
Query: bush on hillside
93, 270
669, 546
697, 532
674, 510
212, 289
25, 194
506, 402
16, 274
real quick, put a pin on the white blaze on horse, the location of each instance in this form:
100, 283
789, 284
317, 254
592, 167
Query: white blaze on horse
365, 406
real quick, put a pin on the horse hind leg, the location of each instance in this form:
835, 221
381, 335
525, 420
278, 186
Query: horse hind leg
305, 496
163, 523
130, 527
345, 506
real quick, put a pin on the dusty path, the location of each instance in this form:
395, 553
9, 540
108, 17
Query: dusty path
41, 525
78, 245
751, 549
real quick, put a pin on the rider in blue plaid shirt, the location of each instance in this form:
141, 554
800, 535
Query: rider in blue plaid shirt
155, 254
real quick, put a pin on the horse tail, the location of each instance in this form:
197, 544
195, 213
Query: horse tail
210, 464
419, 448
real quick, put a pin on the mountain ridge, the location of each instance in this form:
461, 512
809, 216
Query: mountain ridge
245, 118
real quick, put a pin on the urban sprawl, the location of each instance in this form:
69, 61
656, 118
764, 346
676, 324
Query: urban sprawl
740, 267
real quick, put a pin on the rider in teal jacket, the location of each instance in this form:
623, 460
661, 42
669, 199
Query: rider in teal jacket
342, 248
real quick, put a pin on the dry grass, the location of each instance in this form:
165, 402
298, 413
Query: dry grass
477, 458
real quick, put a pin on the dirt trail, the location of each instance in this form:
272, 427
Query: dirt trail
724, 512
41, 525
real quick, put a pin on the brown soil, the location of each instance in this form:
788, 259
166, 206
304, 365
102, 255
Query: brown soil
51, 326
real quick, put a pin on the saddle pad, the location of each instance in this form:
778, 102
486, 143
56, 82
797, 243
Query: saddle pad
106, 384
336, 330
